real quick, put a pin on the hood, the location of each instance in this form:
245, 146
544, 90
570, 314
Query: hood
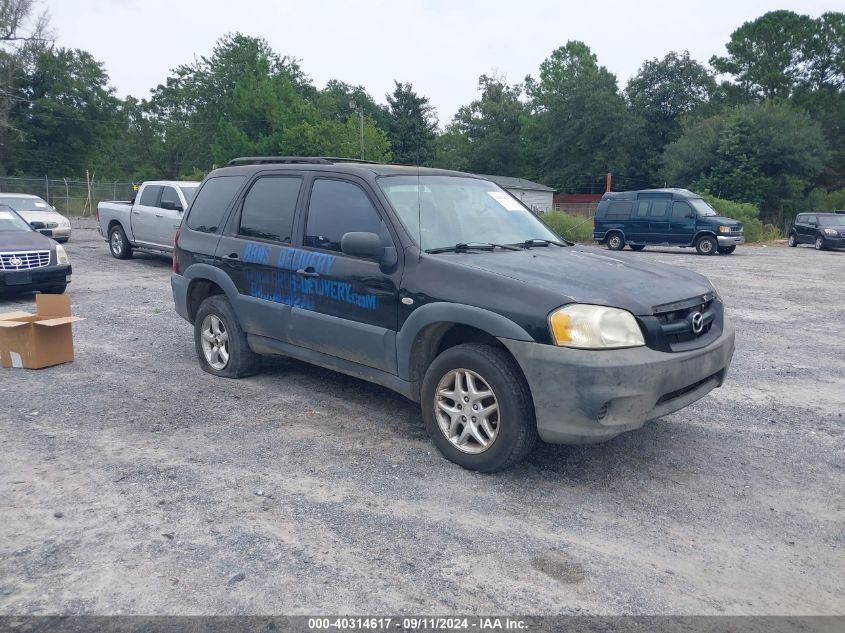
718, 220
16, 241
583, 274
42, 216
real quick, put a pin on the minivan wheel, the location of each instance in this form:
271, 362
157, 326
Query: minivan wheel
118, 244
727, 250
793, 241
220, 341
478, 409
819, 243
706, 245
615, 241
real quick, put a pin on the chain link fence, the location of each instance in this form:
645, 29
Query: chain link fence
70, 197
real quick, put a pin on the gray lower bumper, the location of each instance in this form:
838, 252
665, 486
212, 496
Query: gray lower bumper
583, 396
179, 286
730, 240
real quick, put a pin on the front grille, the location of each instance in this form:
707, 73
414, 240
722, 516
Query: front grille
24, 260
736, 229
680, 321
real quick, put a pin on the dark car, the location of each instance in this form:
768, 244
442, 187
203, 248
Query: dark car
822, 230
664, 217
29, 261
443, 287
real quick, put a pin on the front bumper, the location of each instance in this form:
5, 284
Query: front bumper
584, 396
834, 242
730, 240
38, 278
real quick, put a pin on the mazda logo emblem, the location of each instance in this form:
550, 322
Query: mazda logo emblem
697, 321
15, 261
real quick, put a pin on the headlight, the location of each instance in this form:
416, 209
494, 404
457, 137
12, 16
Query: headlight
594, 327
61, 255
830, 231
724, 229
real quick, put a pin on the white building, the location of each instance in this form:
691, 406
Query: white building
533, 195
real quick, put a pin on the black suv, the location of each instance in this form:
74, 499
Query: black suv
445, 288
823, 230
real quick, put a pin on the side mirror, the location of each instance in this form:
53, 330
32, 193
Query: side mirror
362, 244
690, 215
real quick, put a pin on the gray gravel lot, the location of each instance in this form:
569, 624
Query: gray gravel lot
130, 479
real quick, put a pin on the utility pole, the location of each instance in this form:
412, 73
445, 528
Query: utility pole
609, 180
360, 110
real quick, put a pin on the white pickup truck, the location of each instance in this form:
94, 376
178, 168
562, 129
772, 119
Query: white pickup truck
149, 221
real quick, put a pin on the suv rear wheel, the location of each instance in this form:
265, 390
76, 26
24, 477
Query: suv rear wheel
706, 245
819, 243
478, 409
793, 241
615, 241
221, 343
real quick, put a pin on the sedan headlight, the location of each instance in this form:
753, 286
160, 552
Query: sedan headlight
61, 255
594, 327
830, 231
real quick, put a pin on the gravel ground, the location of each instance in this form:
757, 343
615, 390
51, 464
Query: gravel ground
133, 482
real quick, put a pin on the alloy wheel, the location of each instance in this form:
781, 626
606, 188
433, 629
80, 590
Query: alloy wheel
467, 411
215, 342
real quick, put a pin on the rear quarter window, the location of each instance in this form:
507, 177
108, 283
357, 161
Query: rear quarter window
619, 210
211, 203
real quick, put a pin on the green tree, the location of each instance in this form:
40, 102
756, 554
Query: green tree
767, 154
578, 123
487, 133
413, 123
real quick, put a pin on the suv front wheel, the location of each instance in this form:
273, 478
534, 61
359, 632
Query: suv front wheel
478, 409
221, 343
819, 243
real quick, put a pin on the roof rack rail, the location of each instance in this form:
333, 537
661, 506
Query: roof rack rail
293, 160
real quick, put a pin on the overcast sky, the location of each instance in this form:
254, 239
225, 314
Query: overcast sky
440, 46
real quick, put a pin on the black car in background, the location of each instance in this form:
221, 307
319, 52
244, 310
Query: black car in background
822, 230
29, 261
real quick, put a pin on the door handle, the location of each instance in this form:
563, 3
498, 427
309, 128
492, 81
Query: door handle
137, 212
159, 215
231, 257
307, 272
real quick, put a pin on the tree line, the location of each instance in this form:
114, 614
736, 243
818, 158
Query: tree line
763, 124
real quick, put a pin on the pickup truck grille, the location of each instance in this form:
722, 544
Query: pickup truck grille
24, 260
687, 320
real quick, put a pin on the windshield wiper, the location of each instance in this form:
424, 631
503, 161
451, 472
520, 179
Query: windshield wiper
538, 241
462, 247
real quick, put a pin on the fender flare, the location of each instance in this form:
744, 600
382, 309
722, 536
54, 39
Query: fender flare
453, 314
206, 272
702, 232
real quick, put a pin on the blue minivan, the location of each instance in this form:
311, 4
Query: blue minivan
664, 217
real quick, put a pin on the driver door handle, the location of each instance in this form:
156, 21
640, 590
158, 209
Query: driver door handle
307, 272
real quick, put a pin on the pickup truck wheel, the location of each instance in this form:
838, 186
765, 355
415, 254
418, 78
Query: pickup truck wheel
819, 243
727, 250
615, 241
221, 343
478, 409
793, 241
706, 245
118, 244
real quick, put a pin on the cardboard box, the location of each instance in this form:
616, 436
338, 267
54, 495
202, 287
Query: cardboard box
33, 341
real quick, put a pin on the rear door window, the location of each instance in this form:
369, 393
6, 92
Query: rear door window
269, 209
658, 208
149, 196
336, 208
212, 202
642, 208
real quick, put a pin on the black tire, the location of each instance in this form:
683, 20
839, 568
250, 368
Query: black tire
637, 247
793, 240
516, 428
615, 241
118, 244
727, 250
55, 290
819, 243
241, 361
706, 245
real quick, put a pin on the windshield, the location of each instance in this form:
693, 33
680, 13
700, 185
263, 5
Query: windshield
441, 211
189, 192
11, 221
703, 209
832, 220
25, 204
